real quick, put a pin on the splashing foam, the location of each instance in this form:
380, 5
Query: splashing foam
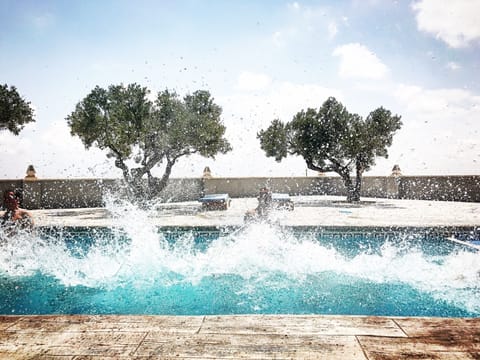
254, 253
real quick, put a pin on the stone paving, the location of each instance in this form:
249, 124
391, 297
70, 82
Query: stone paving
309, 211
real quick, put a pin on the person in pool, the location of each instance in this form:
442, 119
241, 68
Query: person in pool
264, 205
15, 217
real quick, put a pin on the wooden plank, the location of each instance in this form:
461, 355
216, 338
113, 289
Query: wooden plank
8, 321
441, 327
384, 348
30, 343
233, 337
78, 323
302, 325
97, 344
226, 346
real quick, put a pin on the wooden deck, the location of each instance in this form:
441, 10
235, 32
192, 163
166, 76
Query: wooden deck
237, 337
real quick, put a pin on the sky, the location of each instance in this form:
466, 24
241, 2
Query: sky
260, 60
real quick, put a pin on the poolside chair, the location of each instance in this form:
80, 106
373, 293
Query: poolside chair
282, 201
215, 201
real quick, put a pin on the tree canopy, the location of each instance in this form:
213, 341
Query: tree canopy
15, 111
125, 122
331, 139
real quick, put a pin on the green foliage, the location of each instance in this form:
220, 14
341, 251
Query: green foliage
15, 112
333, 140
112, 119
131, 127
274, 140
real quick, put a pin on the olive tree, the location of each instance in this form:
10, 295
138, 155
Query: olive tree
331, 139
15, 111
147, 134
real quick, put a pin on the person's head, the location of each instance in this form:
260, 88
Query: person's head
265, 196
10, 200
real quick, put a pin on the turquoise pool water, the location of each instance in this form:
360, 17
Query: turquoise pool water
260, 269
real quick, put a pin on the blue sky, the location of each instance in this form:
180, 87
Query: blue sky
260, 60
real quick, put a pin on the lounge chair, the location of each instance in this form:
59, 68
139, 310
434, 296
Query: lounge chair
282, 201
215, 201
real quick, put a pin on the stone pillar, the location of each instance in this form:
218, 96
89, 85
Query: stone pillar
207, 174
396, 171
31, 173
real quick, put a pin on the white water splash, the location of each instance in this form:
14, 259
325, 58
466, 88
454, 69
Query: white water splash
254, 253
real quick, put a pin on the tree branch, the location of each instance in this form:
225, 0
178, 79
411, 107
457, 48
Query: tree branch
314, 167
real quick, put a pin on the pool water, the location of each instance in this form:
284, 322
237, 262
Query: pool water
259, 269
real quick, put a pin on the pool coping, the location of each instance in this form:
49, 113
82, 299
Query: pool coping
472, 232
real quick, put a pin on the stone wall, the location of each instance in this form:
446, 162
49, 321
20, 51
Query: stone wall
449, 188
373, 186
85, 193
76, 193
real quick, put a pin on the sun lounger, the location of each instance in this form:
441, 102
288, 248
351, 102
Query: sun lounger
282, 201
215, 201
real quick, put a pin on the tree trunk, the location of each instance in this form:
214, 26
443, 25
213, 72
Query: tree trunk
156, 187
138, 189
353, 190
354, 193
358, 184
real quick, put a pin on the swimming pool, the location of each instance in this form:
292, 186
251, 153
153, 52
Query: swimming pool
259, 269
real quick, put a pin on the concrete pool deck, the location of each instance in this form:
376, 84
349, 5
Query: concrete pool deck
252, 336
325, 211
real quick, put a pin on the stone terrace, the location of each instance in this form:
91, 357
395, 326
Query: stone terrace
325, 211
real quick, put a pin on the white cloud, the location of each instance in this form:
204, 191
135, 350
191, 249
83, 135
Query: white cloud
281, 99
454, 22
357, 61
16, 151
439, 104
66, 155
249, 81
295, 6
277, 39
12, 145
53, 152
289, 98
440, 131
58, 136
452, 65
332, 29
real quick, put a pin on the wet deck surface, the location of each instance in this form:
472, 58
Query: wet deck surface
237, 337
309, 211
